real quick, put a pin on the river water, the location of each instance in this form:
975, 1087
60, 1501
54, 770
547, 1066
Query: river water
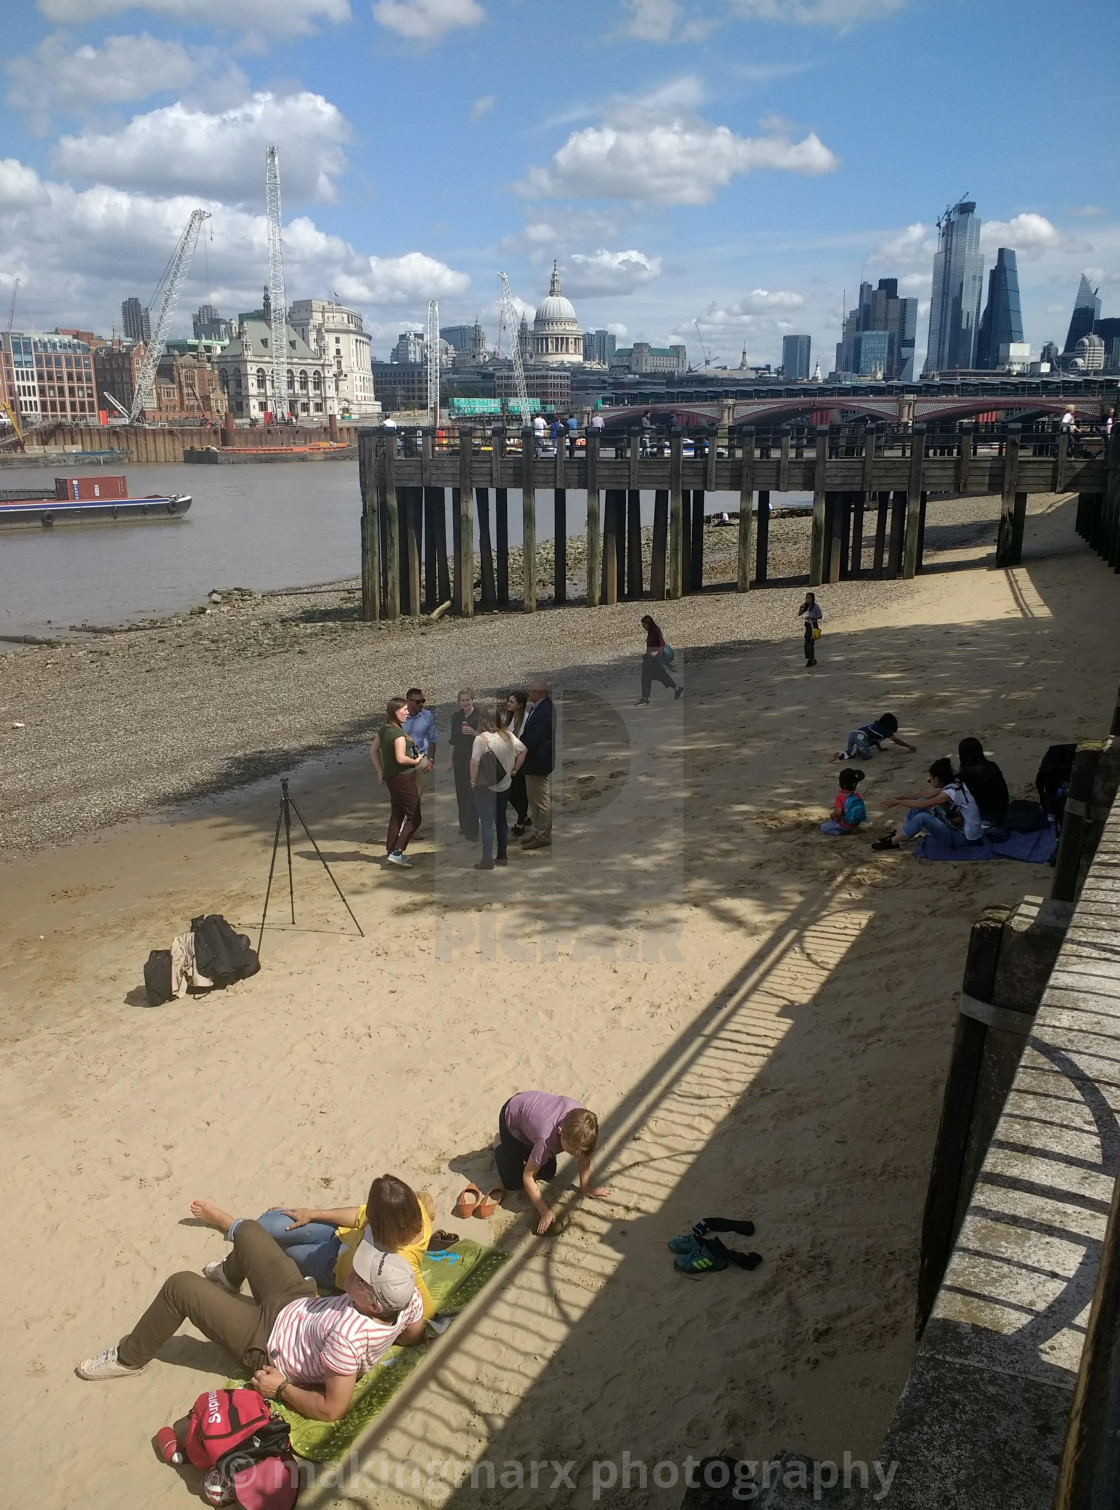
287, 524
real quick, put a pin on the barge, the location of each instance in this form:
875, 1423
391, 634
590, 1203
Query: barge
84, 499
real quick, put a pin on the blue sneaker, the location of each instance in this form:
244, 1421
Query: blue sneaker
683, 1244
700, 1259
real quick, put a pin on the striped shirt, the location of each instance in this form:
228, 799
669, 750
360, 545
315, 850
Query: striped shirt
313, 1338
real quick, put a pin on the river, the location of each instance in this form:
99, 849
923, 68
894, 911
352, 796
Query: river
290, 524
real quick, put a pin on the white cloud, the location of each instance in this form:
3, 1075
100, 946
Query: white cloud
482, 106
840, 14
217, 154
427, 20
19, 185
1086, 211
59, 77
258, 19
604, 272
677, 161
542, 239
652, 20
1027, 234
914, 246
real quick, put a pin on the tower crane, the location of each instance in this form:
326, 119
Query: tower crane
703, 349
511, 321
144, 397
277, 298
12, 305
433, 361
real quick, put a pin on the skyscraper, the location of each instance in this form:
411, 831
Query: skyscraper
1086, 312
136, 320
1002, 320
958, 283
881, 312
795, 358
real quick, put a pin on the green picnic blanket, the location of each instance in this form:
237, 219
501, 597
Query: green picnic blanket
454, 1277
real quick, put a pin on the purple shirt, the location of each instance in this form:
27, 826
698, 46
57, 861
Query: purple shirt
534, 1117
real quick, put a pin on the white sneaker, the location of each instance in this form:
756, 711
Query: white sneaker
106, 1366
216, 1273
396, 858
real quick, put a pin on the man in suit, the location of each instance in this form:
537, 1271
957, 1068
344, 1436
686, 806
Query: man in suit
538, 738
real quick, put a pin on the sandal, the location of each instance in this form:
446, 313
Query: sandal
493, 1200
468, 1201
441, 1240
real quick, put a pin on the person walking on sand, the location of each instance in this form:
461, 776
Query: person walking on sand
538, 736
811, 610
464, 727
518, 705
420, 726
395, 759
491, 795
655, 666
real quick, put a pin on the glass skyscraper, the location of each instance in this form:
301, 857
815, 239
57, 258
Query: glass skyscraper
795, 358
1086, 313
958, 283
879, 311
1002, 320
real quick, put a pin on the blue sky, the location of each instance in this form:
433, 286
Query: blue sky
736, 161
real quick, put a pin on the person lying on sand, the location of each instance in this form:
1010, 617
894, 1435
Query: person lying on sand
533, 1127
306, 1353
321, 1242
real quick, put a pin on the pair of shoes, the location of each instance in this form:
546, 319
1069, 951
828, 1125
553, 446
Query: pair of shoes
216, 1274
106, 1365
396, 858
697, 1257
484, 865
886, 842
677, 692
641, 703
472, 1202
500, 860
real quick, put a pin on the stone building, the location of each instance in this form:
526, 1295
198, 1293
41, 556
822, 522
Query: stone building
336, 335
557, 338
245, 373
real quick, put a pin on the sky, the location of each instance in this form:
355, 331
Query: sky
733, 163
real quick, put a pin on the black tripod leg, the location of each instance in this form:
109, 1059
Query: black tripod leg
288, 842
326, 867
271, 868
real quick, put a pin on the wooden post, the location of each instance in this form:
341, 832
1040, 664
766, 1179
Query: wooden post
686, 541
528, 522
922, 530
964, 467
443, 568
1111, 501
610, 545
883, 501
371, 529
635, 585
820, 525
835, 512
1076, 819
464, 558
859, 504
897, 535
659, 563
632, 479
762, 537
676, 515
746, 514
392, 527
486, 549
914, 503
594, 526
432, 498
783, 462
1008, 551
501, 544
560, 547
412, 500
844, 509
1061, 463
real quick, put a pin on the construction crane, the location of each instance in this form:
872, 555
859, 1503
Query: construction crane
512, 322
277, 298
12, 305
433, 362
703, 349
13, 420
177, 269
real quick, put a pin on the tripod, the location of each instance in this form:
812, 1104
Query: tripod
287, 808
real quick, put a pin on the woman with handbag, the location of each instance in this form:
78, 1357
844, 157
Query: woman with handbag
495, 755
813, 616
655, 662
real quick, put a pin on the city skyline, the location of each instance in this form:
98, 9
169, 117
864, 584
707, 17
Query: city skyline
682, 160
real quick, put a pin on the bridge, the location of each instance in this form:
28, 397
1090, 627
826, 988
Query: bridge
836, 404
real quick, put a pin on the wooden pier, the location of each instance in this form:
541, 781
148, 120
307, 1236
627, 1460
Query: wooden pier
854, 476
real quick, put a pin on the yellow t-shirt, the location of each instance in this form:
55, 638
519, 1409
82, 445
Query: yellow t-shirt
350, 1237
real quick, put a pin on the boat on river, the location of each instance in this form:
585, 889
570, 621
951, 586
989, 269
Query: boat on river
84, 499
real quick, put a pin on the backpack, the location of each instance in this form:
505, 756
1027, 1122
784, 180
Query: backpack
1024, 817
1052, 780
490, 768
668, 654
244, 1447
157, 977
220, 954
855, 810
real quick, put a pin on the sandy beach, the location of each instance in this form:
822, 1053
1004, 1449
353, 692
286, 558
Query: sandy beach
760, 1016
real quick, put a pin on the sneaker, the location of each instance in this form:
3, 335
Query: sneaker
677, 692
886, 842
484, 865
396, 858
700, 1259
500, 860
216, 1274
641, 703
106, 1366
518, 829
683, 1244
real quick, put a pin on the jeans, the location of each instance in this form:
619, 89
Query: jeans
857, 745
491, 808
830, 826
929, 821
313, 1248
810, 645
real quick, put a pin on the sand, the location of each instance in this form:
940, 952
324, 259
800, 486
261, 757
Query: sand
785, 1061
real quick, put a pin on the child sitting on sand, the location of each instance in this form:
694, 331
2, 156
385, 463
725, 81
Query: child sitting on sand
848, 807
322, 1242
865, 740
533, 1127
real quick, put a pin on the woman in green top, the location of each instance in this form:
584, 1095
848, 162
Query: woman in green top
395, 759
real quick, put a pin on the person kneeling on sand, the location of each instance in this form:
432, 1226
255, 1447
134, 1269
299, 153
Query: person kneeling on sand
533, 1127
306, 1353
322, 1243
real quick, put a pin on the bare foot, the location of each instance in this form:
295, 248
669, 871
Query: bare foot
213, 1216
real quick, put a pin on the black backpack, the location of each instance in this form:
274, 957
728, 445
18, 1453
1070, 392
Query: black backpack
220, 954
157, 977
1052, 780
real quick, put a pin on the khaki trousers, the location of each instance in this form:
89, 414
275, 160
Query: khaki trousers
539, 791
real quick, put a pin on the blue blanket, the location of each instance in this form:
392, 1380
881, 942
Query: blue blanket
1037, 848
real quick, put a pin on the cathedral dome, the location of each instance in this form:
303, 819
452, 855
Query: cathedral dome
556, 334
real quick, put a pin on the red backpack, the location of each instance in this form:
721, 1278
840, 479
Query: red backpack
246, 1448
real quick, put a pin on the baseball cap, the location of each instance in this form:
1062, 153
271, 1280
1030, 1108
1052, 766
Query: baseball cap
388, 1275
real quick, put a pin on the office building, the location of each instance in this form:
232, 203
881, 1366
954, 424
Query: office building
599, 346
409, 348
49, 377
879, 311
337, 337
958, 283
136, 320
795, 358
1086, 313
208, 325
1001, 324
643, 358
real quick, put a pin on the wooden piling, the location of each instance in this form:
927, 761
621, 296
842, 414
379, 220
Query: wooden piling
433, 499
964, 469
485, 550
391, 513
676, 515
371, 529
783, 461
614, 498
1009, 550
686, 541
878, 560
560, 548
844, 514
464, 557
443, 565
762, 540
834, 515
817, 563
698, 505
897, 534
922, 529
659, 563
912, 548
528, 522
594, 526
635, 586
501, 544
859, 505
746, 514
412, 503
1076, 820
